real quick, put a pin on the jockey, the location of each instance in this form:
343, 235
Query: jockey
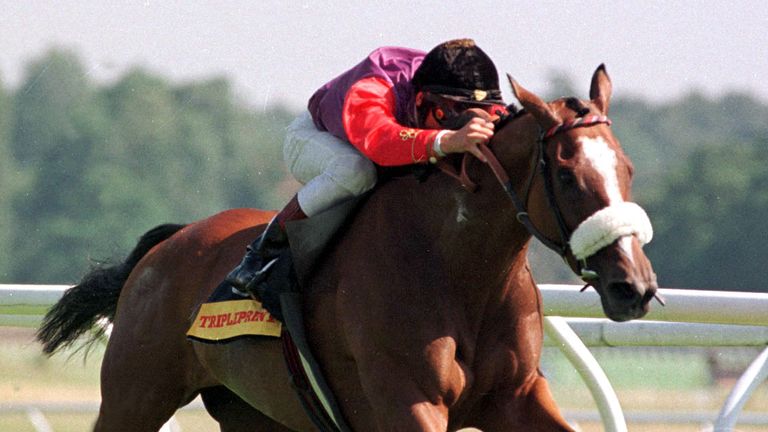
388, 110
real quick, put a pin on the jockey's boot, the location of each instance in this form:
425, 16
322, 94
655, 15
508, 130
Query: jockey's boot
263, 253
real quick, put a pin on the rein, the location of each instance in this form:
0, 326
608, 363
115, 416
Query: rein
637, 217
563, 247
544, 167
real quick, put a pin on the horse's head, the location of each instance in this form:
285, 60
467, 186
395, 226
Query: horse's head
578, 198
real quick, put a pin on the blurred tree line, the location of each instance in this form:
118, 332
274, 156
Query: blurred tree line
85, 169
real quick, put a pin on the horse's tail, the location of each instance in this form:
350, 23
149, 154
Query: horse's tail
94, 299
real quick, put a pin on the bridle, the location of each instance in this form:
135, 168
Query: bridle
563, 247
541, 161
579, 243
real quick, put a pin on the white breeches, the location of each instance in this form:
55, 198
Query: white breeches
331, 170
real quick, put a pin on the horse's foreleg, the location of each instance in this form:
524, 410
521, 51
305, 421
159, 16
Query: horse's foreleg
543, 410
533, 409
417, 413
398, 403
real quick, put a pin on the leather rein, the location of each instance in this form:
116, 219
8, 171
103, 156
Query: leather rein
563, 247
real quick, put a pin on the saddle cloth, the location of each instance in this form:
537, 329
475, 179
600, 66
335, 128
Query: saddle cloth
226, 316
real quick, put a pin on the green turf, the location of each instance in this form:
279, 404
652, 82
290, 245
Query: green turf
635, 369
644, 379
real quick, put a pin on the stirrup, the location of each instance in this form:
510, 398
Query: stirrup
260, 276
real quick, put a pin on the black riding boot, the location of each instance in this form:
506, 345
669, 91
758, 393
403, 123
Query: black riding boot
260, 256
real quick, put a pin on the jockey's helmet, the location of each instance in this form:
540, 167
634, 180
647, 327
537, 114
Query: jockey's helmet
459, 70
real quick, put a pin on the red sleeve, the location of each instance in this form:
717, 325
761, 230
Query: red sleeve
370, 124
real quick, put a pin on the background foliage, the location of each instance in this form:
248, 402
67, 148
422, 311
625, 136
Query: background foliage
85, 169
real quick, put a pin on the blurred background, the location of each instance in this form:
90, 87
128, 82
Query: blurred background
116, 117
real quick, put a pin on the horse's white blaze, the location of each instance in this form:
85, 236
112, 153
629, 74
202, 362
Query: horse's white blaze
625, 243
619, 220
603, 159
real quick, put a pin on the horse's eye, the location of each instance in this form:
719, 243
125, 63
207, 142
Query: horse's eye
566, 176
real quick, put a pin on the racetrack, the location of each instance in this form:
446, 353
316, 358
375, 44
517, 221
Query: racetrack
658, 389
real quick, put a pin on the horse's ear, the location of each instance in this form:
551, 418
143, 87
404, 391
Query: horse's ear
533, 104
600, 91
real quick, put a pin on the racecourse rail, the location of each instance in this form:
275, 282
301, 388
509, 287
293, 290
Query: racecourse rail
575, 320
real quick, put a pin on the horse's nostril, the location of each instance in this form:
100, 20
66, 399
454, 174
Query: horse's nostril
623, 291
624, 301
650, 294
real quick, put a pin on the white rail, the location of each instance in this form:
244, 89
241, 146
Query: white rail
24, 305
756, 373
690, 318
683, 305
591, 372
749, 310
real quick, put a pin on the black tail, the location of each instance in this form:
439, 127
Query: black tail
95, 297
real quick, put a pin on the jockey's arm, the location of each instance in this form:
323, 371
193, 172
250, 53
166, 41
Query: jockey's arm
370, 123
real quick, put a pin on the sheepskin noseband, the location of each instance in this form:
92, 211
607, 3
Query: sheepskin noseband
609, 224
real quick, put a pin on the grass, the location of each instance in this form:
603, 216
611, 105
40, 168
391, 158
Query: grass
636, 368
675, 381
645, 380
26, 375
189, 421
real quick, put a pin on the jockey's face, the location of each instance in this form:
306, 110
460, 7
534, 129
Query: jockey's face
440, 113
430, 122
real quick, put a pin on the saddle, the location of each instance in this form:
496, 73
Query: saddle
229, 315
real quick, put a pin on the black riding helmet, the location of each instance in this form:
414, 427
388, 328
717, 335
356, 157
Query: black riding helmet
459, 70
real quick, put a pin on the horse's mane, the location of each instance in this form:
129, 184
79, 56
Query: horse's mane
513, 113
421, 171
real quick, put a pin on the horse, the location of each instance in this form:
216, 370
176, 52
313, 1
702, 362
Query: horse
422, 313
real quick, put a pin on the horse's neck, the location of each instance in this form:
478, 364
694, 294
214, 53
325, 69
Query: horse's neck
478, 230
492, 225
474, 235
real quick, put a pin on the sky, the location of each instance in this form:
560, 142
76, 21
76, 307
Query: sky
281, 51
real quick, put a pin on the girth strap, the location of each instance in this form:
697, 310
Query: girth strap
306, 376
301, 384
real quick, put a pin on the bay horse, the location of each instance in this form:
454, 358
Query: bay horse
423, 314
